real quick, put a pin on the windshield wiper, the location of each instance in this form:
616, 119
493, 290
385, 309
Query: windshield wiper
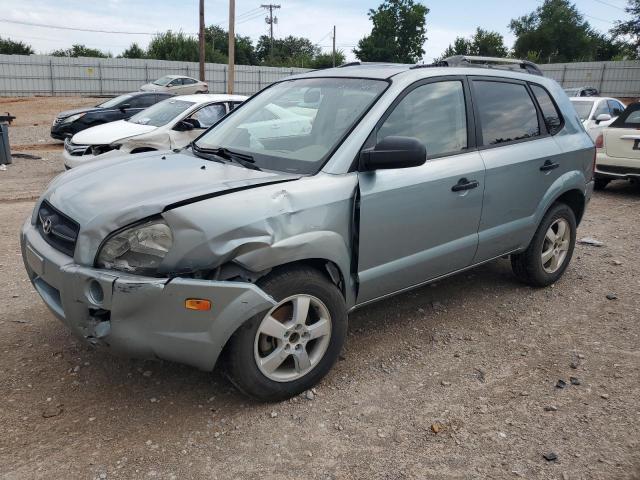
204, 153
243, 159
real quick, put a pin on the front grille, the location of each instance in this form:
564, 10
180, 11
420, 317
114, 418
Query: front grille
76, 150
57, 229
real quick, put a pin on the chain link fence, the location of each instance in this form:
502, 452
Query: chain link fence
27, 75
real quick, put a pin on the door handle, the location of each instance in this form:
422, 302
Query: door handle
464, 184
549, 165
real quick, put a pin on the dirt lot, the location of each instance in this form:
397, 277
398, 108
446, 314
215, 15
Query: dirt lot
454, 380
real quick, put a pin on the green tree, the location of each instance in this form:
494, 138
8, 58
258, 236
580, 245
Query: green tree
630, 29
173, 46
11, 47
398, 33
483, 43
287, 52
325, 60
557, 32
134, 51
81, 51
217, 47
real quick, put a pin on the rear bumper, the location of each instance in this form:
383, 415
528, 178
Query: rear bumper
138, 316
616, 168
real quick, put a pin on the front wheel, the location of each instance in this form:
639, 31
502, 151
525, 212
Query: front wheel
290, 348
550, 251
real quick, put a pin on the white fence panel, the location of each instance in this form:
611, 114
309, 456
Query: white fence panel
24, 75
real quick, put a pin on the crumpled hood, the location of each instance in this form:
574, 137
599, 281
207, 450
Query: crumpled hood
68, 113
111, 132
107, 195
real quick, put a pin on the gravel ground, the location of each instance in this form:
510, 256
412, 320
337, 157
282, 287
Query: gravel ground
454, 380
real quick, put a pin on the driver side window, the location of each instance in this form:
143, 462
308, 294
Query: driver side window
209, 115
435, 114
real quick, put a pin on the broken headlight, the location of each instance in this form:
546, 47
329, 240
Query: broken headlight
139, 249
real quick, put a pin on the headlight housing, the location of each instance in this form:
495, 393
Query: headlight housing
73, 118
138, 249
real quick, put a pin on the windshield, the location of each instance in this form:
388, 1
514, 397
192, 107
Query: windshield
294, 125
161, 113
114, 101
583, 109
163, 81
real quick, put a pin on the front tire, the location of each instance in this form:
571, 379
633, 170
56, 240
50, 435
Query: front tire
550, 251
290, 348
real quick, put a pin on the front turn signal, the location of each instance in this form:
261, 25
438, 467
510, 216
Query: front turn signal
197, 304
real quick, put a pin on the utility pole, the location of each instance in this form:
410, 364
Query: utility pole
232, 46
334, 45
201, 39
270, 21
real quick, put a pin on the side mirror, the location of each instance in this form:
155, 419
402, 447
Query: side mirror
124, 106
194, 122
394, 152
603, 117
183, 126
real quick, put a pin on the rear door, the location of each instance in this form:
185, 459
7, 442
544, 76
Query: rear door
521, 159
415, 224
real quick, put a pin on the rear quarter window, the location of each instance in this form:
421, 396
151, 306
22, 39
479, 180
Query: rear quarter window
552, 116
507, 112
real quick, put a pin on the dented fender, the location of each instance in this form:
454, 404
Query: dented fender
266, 227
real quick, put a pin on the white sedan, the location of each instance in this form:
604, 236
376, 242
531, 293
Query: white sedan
596, 113
618, 149
170, 124
176, 85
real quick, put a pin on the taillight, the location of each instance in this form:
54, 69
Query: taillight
600, 141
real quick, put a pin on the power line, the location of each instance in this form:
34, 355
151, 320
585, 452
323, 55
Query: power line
58, 27
610, 5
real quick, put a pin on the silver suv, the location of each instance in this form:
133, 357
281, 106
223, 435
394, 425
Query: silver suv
253, 244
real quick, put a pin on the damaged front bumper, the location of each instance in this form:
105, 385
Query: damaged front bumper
139, 316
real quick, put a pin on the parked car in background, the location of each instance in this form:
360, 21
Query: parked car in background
596, 113
176, 85
258, 250
582, 92
70, 122
618, 149
172, 123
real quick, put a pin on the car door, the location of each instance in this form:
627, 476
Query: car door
595, 127
176, 86
416, 224
522, 161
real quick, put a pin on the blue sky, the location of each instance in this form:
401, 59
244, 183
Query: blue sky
311, 18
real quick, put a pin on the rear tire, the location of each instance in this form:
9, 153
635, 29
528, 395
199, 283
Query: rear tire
303, 346
550, 251
601, 183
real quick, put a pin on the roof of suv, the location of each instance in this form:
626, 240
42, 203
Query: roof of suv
384, 71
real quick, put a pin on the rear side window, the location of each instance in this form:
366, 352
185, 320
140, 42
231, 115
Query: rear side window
435, 114
507, 112
552, 117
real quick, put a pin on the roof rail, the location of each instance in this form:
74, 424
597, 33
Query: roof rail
489, 62
349, 64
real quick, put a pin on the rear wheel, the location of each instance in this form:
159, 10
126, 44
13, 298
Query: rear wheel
291, 347
550, 251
